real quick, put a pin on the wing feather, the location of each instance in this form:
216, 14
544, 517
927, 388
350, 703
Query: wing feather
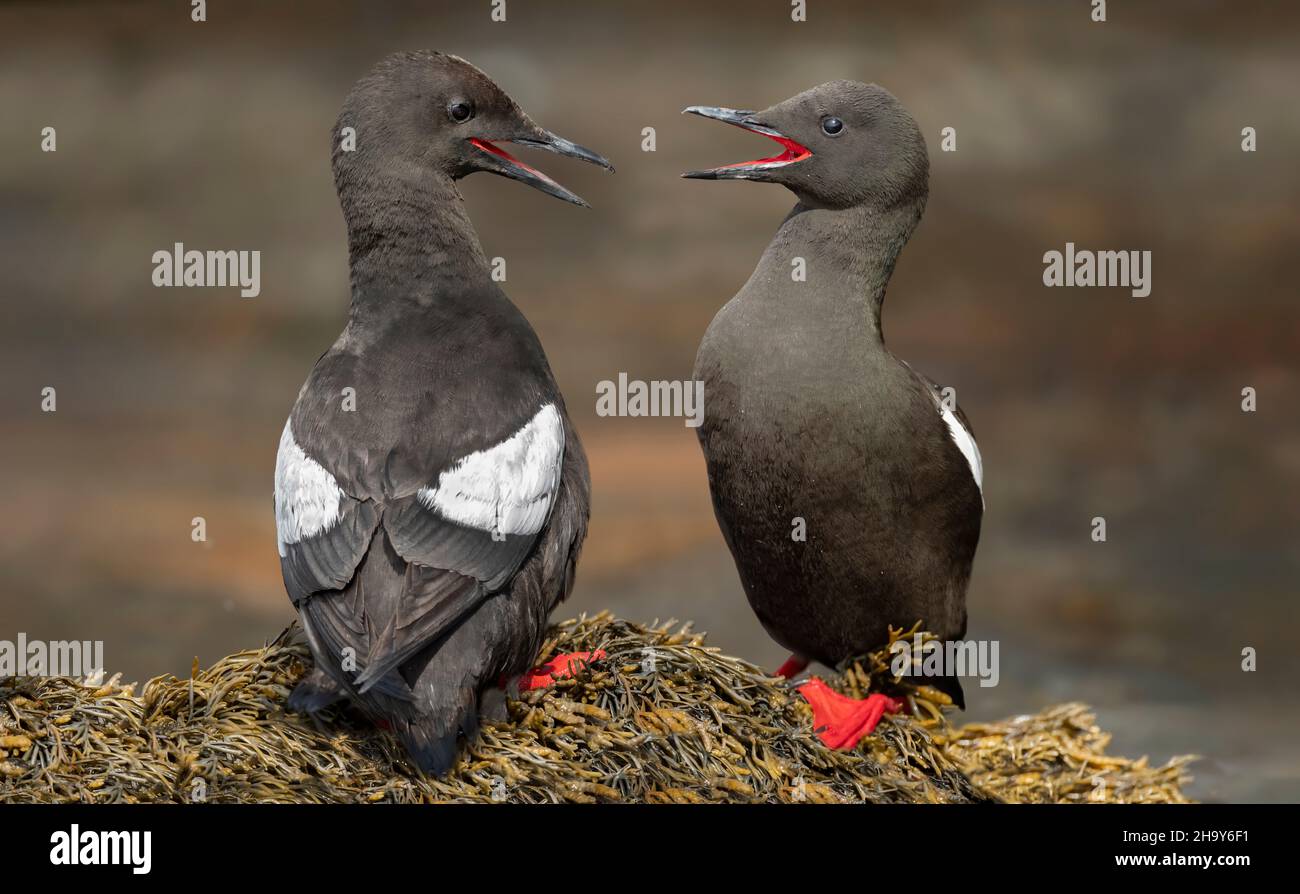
460, 539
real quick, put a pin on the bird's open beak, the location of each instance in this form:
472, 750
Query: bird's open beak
499, 161
747, 170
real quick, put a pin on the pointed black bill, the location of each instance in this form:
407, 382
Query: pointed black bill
738, 117
747, 170
560, 146
499, 161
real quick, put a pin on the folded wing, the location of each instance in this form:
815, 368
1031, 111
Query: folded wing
448, 546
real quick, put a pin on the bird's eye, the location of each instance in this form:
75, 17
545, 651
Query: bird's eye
460, 111
832, 125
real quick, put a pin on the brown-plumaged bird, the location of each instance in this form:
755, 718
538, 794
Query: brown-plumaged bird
431, 495
811, 424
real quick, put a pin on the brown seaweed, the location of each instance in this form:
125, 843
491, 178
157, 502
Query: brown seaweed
663, 718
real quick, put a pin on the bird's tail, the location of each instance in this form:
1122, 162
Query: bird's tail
951, 687
314, 692
431, 738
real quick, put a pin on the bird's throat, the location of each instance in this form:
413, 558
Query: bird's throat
837, 262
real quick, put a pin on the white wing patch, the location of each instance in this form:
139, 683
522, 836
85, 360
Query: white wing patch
508, 488
307, 497
966, 444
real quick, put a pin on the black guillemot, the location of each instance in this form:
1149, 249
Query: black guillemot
813, 427
431, 494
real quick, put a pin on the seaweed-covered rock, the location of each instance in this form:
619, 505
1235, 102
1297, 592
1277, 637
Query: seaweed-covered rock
662, 717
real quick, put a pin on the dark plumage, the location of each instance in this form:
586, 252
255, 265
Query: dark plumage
807, 413
427, 530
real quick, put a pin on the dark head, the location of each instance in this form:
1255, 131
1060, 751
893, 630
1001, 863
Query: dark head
846, 144
425, 114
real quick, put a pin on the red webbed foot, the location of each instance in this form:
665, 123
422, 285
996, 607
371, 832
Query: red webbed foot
559, 667
841, 722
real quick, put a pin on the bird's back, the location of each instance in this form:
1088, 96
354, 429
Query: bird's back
463, 503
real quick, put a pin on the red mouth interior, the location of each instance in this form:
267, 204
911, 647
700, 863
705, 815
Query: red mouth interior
793, 152
501, 153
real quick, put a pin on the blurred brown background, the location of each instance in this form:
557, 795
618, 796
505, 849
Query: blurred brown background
1122, 135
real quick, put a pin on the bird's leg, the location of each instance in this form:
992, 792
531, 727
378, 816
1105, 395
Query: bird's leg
794, 665
840, 721
492, 706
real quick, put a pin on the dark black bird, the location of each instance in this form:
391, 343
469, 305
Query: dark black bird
430, 491
808, 416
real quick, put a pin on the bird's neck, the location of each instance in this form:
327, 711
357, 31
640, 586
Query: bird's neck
848, 256
410, 243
